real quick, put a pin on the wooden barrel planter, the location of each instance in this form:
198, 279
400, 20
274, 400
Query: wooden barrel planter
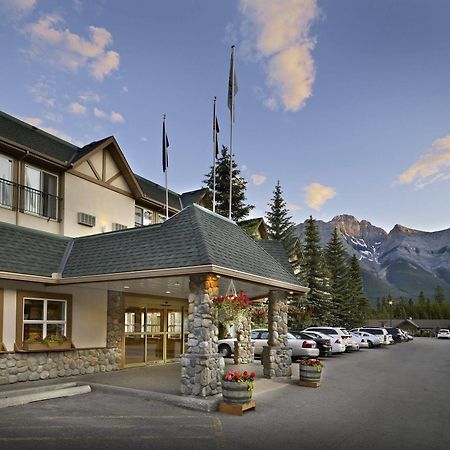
308, 373
234, 392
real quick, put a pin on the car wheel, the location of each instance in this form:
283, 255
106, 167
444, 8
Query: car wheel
370, 344
225, 350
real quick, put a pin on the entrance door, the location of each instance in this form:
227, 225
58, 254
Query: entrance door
153, 334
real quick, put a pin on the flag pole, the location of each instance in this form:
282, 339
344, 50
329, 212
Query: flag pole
214, 154
232, 75
167, 168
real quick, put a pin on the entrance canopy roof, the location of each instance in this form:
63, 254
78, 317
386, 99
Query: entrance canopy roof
193, 241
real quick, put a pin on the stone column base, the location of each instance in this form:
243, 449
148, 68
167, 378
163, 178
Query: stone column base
244, 352
201, 374
277, 361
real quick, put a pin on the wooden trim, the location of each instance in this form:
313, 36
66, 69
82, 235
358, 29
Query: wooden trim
92, 152
93, 169
101, 183
115, 176
26, 277
44, 295
104, 165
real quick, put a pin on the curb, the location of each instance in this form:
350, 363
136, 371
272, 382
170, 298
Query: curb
177, 400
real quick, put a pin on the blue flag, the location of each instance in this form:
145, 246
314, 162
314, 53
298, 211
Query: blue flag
165, 148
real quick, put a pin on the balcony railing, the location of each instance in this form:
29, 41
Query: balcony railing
29, 200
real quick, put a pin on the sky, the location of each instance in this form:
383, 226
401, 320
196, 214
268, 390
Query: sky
345, 102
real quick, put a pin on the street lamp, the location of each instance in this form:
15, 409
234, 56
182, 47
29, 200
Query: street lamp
390, 302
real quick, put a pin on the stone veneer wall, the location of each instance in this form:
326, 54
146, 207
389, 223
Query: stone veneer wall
244, 352
277, 357
201, 365
31, 366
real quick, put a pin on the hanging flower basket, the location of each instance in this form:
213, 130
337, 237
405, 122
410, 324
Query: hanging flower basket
232, 306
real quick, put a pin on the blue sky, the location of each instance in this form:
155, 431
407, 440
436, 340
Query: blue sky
345, 102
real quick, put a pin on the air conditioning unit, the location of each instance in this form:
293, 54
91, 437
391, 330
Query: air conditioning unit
86, 219
118, 226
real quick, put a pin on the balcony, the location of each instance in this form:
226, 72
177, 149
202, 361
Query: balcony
28, 200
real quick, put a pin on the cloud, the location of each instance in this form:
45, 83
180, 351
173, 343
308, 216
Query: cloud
43, 93
88, 97
35, 121
99, 113
116, 117
54, 117
278, 31
71, 51
17, 8
258, 179
432, 166
124, 88
293, 207
317, 194
76, 108
144, 139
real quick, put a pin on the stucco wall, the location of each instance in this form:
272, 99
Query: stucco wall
9, 318
106, 205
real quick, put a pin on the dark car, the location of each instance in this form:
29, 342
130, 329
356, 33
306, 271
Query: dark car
396, 334
323, 344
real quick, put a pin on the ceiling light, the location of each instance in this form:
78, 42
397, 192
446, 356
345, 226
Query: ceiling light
167, 292
126, 287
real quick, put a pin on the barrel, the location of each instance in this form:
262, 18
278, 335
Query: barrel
309, 373
234, 392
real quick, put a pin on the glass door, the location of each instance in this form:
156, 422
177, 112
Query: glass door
174, 347
134, 335
155, 335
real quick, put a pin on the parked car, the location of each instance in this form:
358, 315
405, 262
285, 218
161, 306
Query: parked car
372, 341
301, 348
226, 347
381, 333
336, 333
354, 345
336, 345
323, 343
396, 334
361, 340
443, 333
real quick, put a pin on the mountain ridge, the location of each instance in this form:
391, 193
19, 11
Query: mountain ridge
400, 262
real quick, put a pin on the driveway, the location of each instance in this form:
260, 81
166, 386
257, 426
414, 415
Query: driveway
391, 398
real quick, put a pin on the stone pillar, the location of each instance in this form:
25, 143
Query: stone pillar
201, 365
277, 357
243, 348
115, 324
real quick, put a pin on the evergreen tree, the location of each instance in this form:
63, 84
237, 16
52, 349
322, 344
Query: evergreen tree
281, 228
315, 275
239, 209
337, 269
439, 295
358, 302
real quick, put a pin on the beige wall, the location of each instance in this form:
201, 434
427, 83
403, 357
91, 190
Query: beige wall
106, 205
7, 215
89, 312
9, 318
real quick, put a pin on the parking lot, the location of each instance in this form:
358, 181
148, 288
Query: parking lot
389, 398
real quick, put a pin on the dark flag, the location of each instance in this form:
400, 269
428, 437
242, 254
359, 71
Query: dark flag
232, 84
215, 131
165, 147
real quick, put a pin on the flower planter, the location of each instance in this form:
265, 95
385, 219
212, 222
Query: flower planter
234, 392
308, 373
39, 346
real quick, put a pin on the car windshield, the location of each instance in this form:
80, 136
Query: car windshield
444, 330
375, 331
325, 330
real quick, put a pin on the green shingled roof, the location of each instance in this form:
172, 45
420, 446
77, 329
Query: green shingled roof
193, 237
158, 193
277, 251
27, 251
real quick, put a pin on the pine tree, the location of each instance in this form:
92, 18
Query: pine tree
315, 275
439, 295
358, 302
239, 208
281, 228
337, 268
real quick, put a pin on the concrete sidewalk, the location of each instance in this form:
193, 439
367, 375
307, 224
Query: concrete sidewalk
161, 383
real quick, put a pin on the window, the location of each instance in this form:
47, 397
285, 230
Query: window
118, 227
41, 190
161, 218
44, 317
142, 217
5, 181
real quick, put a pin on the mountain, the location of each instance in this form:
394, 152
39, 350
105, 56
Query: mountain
401, 262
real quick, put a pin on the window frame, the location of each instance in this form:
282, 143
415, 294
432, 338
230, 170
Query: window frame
143, 212
45, 296
11, 178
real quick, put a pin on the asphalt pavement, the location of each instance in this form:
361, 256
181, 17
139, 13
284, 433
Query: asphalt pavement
388, 398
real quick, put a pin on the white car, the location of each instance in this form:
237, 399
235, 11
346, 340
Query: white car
443, 333
301, 348
335, 347
370, 339
379, 332
226, 347
362, 341
354, 344
336, 334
